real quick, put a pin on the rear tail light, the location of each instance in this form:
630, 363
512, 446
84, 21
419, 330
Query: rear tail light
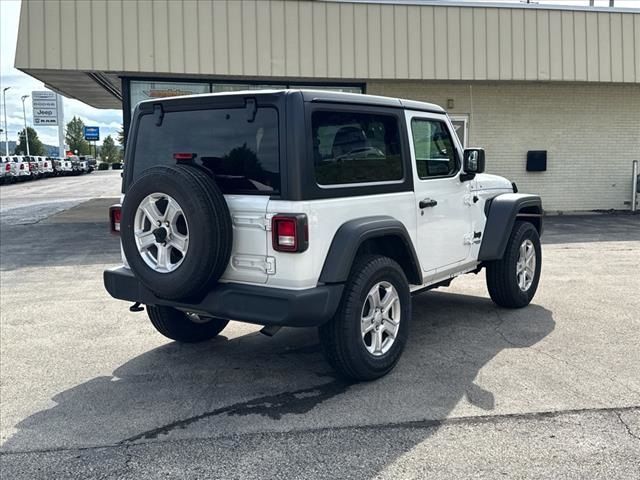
46, 164
22, 166
290, 233
115, 215
7, 168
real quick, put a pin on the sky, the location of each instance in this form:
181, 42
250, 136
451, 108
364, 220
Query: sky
109, 121
21, 84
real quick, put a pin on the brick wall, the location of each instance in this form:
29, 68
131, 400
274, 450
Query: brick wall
591, 133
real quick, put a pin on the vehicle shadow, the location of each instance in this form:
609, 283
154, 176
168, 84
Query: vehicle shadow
252, 384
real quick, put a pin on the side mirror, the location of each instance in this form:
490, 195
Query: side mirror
473, 160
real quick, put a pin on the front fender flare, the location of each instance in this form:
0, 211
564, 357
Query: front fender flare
502, 212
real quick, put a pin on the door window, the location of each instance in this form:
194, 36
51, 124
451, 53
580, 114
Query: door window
434, 149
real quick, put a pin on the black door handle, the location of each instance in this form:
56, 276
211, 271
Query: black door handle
427, 202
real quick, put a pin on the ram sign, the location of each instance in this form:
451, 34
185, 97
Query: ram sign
45, 108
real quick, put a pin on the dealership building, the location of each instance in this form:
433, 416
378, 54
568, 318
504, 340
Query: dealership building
524, 81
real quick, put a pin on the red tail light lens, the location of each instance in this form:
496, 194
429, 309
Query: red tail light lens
115, 215
290, 233
7, 168
46, 164
183, 156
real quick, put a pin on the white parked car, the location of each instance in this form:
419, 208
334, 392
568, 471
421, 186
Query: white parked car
24, 167
322, 209
62, 166
8, 171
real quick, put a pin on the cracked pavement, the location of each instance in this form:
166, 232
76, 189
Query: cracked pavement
90, 390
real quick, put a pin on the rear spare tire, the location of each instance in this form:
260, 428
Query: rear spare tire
176, 231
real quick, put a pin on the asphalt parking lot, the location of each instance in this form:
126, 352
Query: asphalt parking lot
90, 390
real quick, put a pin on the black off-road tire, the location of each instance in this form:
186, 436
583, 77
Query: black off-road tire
341, 337
502, 280
209, 225
179, 326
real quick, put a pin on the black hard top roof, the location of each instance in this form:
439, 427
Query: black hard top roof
319, 96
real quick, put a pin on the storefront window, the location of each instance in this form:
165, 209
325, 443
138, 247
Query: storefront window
143, 90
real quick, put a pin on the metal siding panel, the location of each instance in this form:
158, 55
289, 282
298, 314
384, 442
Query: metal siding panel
636, 43
504, 22
440, 43
615, 27
205, 36
466, 43
176, 37
278, 42
374, 17
36, 34
52, 32
555, 43
604, 48
335, 45
235, 48
320, 35
305, 29
427, 41
568, 50
479, 43
160, 47
580, 45
347, 50
401, 41
592, 47
85, 43
543, 44
221, 59
517, 35
493, 44
628, 48
360, 41
530, 45
263, 26
453, 41
130, 35
388, 45
249, 38
146, 29
114, 33
292, 39
414, 42
190, 27
100, 40
22, 44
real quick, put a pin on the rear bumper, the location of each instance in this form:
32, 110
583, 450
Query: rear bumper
244, 303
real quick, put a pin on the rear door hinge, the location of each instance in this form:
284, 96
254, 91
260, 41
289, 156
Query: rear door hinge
471, 238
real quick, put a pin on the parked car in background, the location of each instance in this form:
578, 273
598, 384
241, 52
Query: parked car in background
75, 164
23, 167
116, 166
47, 166
62, 166
84, 166
91, 162
8, 172
34, 167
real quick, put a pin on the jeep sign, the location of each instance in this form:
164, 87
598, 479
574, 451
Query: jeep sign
45, 108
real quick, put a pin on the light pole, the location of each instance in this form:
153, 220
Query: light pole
6, 128
24, 115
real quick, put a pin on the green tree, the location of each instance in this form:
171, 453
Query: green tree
121, 136
75, 137
35, 145
109, 152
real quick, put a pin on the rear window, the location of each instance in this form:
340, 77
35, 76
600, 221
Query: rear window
243, 155
353, 148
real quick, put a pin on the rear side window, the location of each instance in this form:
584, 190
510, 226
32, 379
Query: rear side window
353, 148
243, 156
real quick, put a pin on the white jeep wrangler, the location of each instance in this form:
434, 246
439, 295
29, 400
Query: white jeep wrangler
311, 208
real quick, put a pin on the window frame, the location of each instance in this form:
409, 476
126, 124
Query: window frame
312, 190
454, 143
